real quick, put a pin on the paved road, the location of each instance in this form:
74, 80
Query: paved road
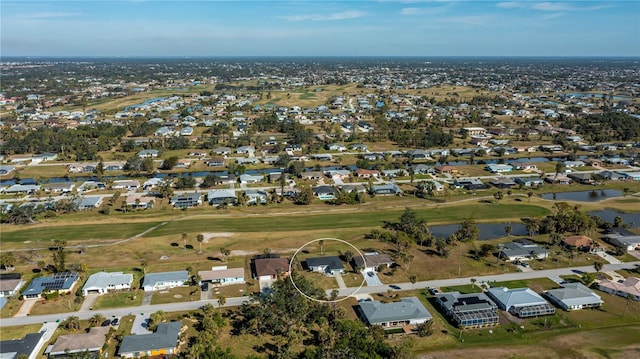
234, 302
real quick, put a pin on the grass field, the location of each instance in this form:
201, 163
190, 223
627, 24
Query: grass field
119, 300
64, 304
173, 295
18, 332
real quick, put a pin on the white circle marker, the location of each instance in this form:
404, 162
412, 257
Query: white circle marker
320, 300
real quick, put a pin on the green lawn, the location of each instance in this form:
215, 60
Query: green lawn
301, 222
179, 294
119, 300
77, 232
64, 304
18, 332
537, 284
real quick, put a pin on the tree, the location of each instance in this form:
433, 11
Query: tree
413, 279
96, 319
169, 163
426, 329
225, 252
473, 282
498, 196
508, 230
71, 323
598, 266
588, 278
222, 300
321, 242
200, 239
529, 195
7, 260
184, 241
59, 255
155, 319
304, 197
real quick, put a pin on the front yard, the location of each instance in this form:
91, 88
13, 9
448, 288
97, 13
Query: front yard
119, 300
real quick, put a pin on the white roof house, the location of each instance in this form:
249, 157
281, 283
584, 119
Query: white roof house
221, 275
522, 302
630, 286
103, 282
165, 280
574, 296
408, 311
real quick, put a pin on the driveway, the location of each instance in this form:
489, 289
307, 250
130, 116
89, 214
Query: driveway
340, 281
140, 324
89, 301
609, 258
372, 280
26, 307
146, 300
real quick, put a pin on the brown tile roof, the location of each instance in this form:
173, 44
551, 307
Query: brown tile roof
578, 241
271, 266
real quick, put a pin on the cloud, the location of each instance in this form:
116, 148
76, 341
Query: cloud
345, 15
423, 10
48, 15
549, 6
553, 16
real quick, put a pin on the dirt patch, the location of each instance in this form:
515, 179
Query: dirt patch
209, 235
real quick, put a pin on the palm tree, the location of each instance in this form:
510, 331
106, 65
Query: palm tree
200, 239
184, 240
321, 242
222, 300
473, 282
413, 279
508, 230
598, 266
529, 195
96, 319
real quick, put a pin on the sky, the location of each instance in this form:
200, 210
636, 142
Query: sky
319, 28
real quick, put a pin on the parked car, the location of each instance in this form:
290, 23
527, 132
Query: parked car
205, 286
434, 291
106, 323
370, 274
114, 322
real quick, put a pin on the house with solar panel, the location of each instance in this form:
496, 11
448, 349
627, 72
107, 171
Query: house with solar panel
474, 310
60, 282
521, 302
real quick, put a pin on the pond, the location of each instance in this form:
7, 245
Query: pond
583, 196
609, 215
487, 230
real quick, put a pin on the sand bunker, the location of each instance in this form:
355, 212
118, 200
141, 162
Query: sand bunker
209, 235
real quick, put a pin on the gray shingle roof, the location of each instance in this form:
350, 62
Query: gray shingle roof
166, 336
406, 309
515, 297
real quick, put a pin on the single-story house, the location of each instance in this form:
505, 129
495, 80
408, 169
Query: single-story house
221, 150
529, 181
324, 192
58, 187
329, 265
247, 160
574, 296
371, 261
312, 175
622, 238
60, 282
365, 173
558, 179
502, 182
10, 284
336, 147
198, 153
387, 189
90, 343
628, 287
498, 168
90, 202
611, 175
186, 200
22, 188
221, 275
148, 153
522, 165
445, 169
630, 176
470, 184
246, 178
522, 302
246, 150
214, 162
573, 164
164, 280
255, 196
125, 184
163, 342
396, 172
322, 157
522, 250
103, 282
472, 310
219, 196
582, 243
407, 312
140, 201
268, 268
583, 178
6, 169
27, 346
